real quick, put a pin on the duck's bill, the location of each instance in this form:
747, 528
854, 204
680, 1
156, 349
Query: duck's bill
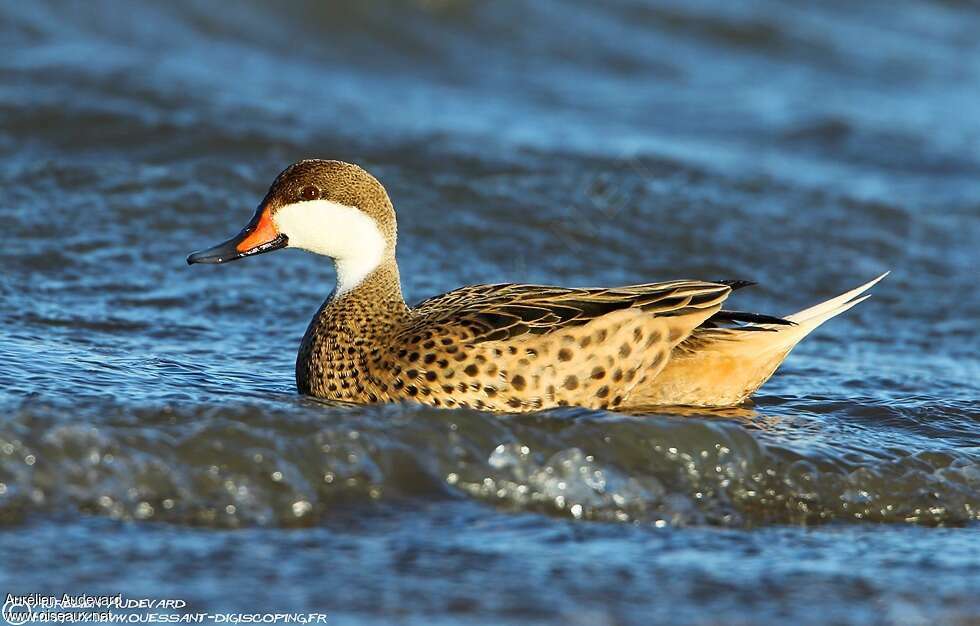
260, 235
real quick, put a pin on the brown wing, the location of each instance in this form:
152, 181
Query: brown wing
507, 311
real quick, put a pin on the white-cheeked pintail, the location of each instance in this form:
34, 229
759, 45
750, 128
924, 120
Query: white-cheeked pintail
504, 347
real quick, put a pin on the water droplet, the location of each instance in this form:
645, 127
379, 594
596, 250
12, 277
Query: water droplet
277, 476
29, 459
301, 508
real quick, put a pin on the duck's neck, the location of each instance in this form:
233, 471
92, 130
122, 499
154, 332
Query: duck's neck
348, 329
378, 291
364, 313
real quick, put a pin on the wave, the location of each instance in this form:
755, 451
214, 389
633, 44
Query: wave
289, 463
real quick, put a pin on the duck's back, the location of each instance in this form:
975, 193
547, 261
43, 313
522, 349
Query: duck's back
509, 347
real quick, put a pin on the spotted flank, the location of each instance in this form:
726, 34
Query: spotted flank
522, 347
503, 347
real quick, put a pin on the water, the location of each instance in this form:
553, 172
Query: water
152, 442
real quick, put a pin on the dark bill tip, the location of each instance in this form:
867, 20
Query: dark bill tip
228, 251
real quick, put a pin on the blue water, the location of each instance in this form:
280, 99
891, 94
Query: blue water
151, 439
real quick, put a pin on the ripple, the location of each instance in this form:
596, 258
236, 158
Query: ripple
275, 465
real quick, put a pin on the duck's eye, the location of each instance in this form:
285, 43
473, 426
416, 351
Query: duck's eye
309, 192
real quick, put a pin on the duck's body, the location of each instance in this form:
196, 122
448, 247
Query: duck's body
503, 347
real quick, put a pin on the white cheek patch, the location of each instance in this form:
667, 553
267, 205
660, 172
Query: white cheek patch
342, 232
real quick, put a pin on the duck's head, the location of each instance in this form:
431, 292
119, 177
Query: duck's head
331, 208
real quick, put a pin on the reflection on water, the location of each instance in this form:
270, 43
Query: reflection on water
745, 414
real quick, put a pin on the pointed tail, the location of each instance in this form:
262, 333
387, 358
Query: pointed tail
816, 315
722, 367
806, 321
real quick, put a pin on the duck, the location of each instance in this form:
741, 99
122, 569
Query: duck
503, 347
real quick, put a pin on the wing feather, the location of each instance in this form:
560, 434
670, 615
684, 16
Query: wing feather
505, 311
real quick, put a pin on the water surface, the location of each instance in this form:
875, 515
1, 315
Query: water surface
151, 440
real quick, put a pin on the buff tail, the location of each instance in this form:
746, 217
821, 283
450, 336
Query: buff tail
723, 367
